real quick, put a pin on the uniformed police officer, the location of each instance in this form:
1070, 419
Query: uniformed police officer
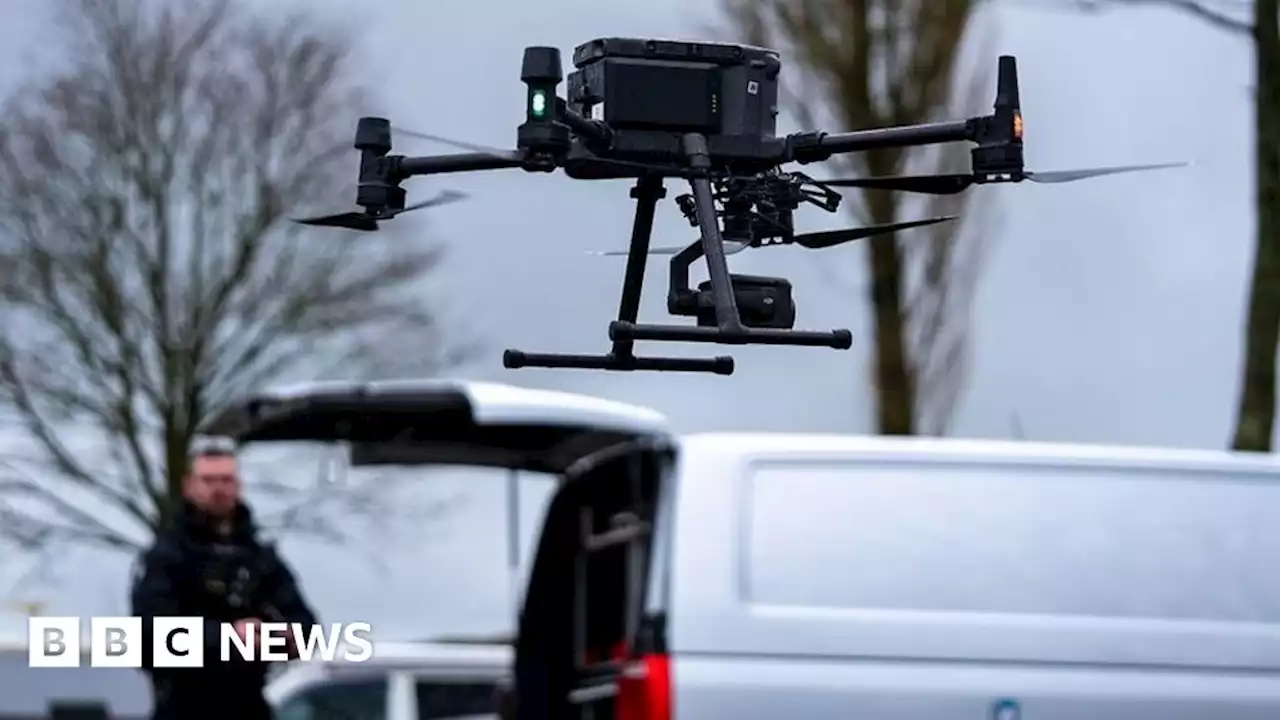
210, 563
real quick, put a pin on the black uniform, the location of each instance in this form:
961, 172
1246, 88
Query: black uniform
194, 571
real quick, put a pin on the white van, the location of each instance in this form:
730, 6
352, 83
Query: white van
403, 681
28, 693
771, 576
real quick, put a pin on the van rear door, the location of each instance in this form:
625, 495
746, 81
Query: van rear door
592, 640
588, 625
440, 422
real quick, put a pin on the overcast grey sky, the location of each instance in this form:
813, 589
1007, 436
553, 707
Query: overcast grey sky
1110, 311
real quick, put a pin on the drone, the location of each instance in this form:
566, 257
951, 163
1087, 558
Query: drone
705, 113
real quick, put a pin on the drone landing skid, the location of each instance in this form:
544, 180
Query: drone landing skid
514, 359
729, 329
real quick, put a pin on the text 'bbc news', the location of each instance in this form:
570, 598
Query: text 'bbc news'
184, 642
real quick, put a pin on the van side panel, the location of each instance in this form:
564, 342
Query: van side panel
893, 585
764, 688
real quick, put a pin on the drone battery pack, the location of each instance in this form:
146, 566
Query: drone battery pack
676, 96
675, 86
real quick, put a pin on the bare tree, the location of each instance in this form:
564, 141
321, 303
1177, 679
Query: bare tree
148, 273
871, 63
1258, 22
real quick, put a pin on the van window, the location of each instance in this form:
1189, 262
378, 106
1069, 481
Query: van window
362, 699
1174, 545
438, 700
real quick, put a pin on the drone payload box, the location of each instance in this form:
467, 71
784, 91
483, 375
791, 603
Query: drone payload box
668, 86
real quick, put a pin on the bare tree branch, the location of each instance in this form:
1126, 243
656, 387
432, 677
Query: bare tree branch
330, 508
1230, 16
872, 63
149, 272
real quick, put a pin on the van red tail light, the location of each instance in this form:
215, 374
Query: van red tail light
644, 689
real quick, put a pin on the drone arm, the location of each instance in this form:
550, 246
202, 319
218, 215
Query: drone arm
902, 136
593, 131
817, 147
461, 162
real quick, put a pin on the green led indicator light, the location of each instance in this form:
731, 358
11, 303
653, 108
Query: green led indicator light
538, 104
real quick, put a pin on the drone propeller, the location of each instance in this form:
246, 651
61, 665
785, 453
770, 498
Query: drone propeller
812, 241
831, 238
459, 144
731, 247
953, 184
368, 222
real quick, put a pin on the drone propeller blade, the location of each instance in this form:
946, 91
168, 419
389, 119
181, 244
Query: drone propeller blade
347, 220
1062, 176
471, 147
953, 184
831, 238
369, 223
624, 253
730, 248
443, 197
930, 184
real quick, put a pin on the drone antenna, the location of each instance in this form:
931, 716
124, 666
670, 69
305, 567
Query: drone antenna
373, 134
1008, 108
1007, 84
542, 71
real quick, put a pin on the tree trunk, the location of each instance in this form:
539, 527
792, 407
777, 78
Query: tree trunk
894, 376
896, 396
1255, 421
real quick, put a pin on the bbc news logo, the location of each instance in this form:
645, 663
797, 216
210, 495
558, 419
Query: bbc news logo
179, 642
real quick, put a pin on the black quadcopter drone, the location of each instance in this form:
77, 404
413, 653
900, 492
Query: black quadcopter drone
705, 113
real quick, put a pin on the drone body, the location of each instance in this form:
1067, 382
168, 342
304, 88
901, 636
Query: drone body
704, 113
